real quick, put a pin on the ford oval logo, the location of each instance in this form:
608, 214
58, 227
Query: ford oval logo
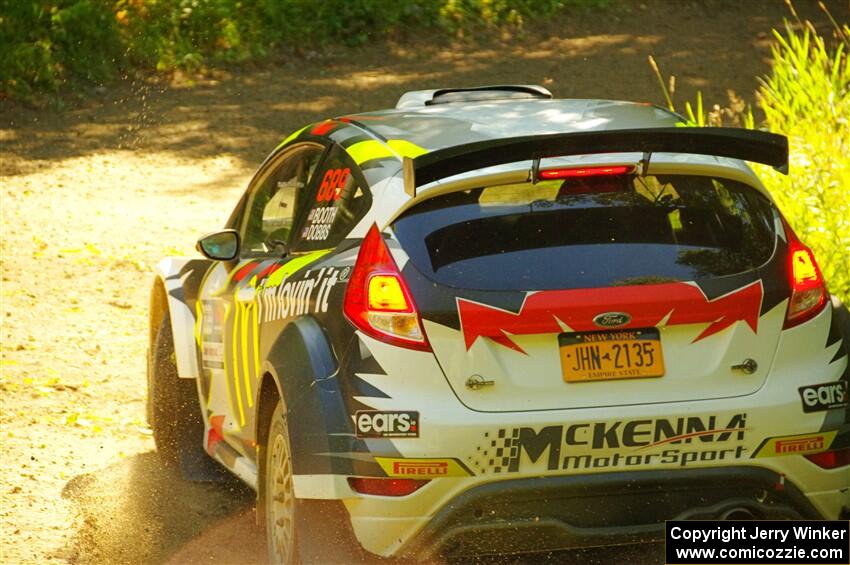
612, 319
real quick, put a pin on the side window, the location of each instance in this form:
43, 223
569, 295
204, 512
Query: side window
274, 202
338, 201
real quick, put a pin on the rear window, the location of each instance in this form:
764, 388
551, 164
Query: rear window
590, 232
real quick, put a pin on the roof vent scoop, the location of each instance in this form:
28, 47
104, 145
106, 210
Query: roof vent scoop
420, 98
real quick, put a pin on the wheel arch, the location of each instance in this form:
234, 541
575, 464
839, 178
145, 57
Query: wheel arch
175, 292
302, 368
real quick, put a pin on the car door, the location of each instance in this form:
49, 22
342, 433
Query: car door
228, 311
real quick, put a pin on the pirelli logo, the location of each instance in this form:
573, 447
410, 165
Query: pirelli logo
422, 468
800, 445
796, 445
435, 469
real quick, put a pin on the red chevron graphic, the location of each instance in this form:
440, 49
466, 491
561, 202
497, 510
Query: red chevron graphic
245, 270
646, 304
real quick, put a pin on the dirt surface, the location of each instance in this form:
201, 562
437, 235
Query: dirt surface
93, 195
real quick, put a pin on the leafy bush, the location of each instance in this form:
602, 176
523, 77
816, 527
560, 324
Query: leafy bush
49, 41
339, 22
806, 96
456, 15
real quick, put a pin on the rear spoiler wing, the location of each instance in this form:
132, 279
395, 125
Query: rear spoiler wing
747, 145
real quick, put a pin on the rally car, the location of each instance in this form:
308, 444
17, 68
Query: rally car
487, 320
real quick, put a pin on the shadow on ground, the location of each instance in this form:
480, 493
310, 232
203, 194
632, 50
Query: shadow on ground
715, 46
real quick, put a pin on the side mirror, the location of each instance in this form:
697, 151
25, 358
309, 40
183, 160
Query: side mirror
220, 246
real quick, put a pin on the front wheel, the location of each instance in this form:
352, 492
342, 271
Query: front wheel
300, 531
174, 413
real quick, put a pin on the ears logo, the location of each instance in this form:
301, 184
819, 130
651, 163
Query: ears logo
826, 396
376, 424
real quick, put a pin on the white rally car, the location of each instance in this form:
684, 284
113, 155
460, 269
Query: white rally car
491, 321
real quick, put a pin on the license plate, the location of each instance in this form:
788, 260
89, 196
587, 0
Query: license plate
608, 355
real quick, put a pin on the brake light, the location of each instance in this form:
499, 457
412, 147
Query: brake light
831, 459
550, 174
808, 291
377, 300
386, 487
386, 294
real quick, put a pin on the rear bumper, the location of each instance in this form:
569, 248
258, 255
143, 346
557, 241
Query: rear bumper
551, 513
628, 467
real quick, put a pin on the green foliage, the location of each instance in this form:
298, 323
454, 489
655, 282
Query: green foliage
85, 39
171, 34
339, 22
806, 96
456, 15
46, 42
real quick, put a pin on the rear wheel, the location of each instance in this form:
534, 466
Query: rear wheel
300, 531
280, 494
842, 315
175, 416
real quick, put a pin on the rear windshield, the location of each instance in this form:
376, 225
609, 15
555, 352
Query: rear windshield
589, 232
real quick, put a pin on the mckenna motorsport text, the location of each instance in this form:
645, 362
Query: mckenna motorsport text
638, 435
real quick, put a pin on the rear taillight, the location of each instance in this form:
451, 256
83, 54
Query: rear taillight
386, 487
808, 291
831, 459
377, 300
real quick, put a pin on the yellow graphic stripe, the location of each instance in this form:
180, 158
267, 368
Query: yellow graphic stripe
246, 374
405, 148
198, 313
292, 136
234, 349
226, 370
256, 327
370, 149
373, 149
209, 394
292, 266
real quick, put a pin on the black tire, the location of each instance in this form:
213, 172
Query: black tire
300, 531
175, 415
842, 316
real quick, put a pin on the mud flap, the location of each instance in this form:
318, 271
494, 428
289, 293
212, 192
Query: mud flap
324, 533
